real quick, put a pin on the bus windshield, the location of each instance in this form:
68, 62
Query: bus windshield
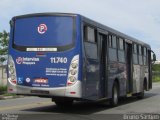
44, 31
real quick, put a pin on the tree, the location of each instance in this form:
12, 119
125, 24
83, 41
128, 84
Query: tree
4, 38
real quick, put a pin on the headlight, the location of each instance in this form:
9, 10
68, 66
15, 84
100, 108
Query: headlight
73, 71
74, 65
11, 71
72, 79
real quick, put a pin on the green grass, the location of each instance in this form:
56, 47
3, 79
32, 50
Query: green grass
9, 94
156, 78
3, 91
3, 88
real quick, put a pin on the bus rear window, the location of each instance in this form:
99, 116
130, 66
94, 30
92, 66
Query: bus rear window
51, 31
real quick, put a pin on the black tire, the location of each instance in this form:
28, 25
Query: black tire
115, 95
63, 103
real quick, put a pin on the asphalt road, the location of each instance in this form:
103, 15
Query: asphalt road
44, 107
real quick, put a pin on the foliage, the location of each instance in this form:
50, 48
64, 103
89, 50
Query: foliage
3, 88
156, 78
4, 38
156, 67
156, 72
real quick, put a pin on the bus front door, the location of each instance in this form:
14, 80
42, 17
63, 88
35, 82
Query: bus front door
103, 65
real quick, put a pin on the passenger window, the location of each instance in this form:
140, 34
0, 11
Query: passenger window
144, 51
112, 49
110, 40
140, 50
140, 55
91, 50
144, 56
135, 48
89, 34
135, 56
114, 41
90, 42
121, 55
121, 44
135, 59
112, 54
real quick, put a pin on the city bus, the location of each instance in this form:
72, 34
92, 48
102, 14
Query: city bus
68, 57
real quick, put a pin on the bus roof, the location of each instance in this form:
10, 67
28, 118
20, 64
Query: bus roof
113, 31
91, 22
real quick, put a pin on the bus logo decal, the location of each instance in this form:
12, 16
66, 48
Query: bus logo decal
19, 60
27, 60
42, 28
28, 80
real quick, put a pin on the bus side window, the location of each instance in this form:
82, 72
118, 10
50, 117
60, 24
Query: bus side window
110, 40
90, 42
89, 34
144, 56
112, 48
140, 54
114, 41
135, 58
121, 56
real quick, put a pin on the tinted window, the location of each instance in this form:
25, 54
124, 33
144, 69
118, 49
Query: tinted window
140, 60
89, 34
114, 41
110, 41
43, 31
144, 60
140, 50
135, 48
121, 44
135, 59
121, 56
91, 50
112, 54
145, 56
145, 51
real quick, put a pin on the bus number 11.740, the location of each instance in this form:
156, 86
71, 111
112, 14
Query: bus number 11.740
58, 60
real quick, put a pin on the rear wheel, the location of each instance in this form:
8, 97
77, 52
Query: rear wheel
115, 95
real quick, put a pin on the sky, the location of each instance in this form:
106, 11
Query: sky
137, 18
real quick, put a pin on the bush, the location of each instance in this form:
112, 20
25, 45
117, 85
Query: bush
155, 76
3, 88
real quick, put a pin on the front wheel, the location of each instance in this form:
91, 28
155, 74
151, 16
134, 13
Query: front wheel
115, 95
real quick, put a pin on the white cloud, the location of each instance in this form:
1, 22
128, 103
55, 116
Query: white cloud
137, 18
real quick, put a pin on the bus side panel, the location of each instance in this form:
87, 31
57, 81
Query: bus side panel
122, 77
92, 79
138, 78
117, 73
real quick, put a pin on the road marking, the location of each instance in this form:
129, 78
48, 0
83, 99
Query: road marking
39, 104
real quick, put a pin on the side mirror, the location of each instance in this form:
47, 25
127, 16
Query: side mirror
154, 57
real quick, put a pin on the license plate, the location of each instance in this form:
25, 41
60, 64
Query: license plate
41, 80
